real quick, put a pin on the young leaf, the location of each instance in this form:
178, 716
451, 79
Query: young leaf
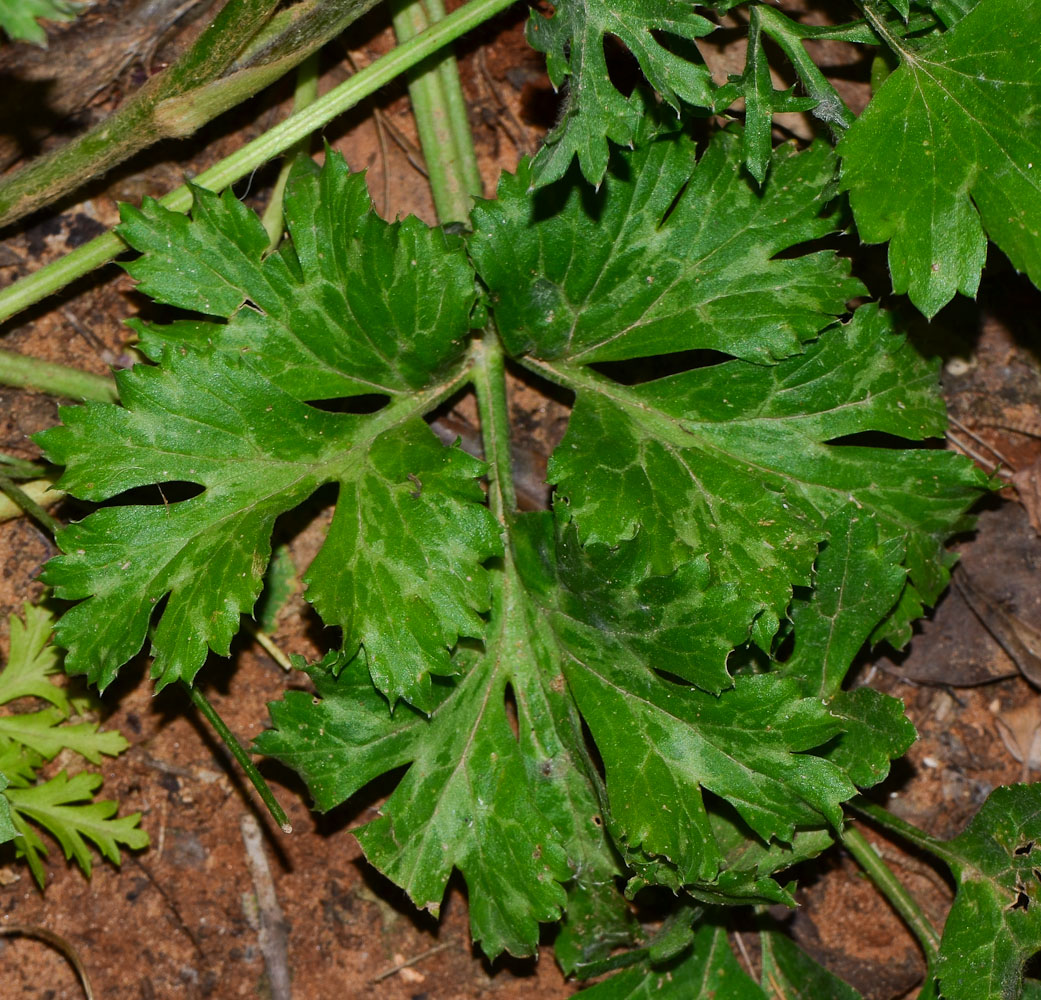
994, 926
31, 659
47, 733
573, 39
352, 306
66, 808
959, 122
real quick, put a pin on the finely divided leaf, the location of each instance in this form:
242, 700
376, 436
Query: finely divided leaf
948, 153
65, 807
18, 17
343, 310
31, 659
573, 38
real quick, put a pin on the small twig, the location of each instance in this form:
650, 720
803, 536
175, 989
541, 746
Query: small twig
18, 496
415, 960
273, 933
59, 944
740, 942
980, 441
984, 463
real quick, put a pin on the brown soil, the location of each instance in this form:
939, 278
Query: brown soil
179, 920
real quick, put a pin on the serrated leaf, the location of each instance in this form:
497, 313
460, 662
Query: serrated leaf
671, 254
351, 306
732, 460
709, 969
959, 123
994, 926
65, 807
573, 38
31, 660
856, 582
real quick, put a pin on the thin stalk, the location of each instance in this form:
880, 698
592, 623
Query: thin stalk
893, 889
305, 94
200, 701
40, 491
18, 496
57, 380
444, 132
490, 384
902, 828
84, 259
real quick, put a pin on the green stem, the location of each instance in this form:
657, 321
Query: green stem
49, 279
40, 491
57, 380
305, 94
440, 113
18, 496
893, 889
200, 701
490, 385
910, 833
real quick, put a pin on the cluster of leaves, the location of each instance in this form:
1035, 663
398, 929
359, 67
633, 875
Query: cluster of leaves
643, 685
62, 805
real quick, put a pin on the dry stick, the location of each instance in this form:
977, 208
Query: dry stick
980, 441
59, 944
984, 463
274, 933
415, 960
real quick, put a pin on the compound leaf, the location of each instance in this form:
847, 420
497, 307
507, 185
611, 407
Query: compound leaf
31, 659
65, 807
350, 307
959, 124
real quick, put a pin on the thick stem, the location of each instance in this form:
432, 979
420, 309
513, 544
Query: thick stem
200, 701
490, 383
57, 380
86, 258
440, 113
932, 845
893, 889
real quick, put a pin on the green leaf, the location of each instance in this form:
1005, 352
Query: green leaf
671, 254
231, 412
281, 581
790, 973
856, 582
708, 970
573, 40
31, 660
958, 121
7, 827
64, 807
994, 926
18, 17
47, 733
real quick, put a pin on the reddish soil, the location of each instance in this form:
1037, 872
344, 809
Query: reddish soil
179, 920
